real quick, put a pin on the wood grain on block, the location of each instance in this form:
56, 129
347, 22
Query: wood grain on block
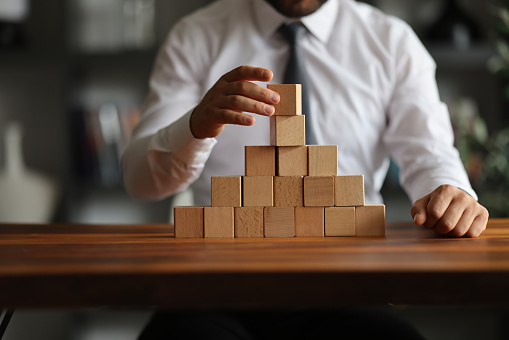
188, 222
287, 130
291, 99
279, 222
226, 191
218, 222
319, 191
288, 191
292, 160
322, 160
309, 221
370, 220
349, 191
340, 221
258, 191
249, 222
260, 160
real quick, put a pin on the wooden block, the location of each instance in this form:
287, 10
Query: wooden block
279, 222
340, 221
291, 99
370, 220
260, 160
309, 221
258, 191
287, 130
292, 160
318, 191
348, 191
249, 222
288, 191
188, 222
226, 191
322, 160
218, 222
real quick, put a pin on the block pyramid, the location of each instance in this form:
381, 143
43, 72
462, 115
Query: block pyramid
289, 189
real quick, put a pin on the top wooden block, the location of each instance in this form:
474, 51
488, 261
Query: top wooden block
291, 99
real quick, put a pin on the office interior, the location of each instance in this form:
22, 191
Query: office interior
73, 77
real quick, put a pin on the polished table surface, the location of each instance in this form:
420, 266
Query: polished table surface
68, 266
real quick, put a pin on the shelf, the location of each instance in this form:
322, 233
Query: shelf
32, 57
115, 59
450, 58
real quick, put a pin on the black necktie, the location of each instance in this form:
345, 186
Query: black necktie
295, 72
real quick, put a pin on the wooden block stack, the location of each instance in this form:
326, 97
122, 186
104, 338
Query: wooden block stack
289, 189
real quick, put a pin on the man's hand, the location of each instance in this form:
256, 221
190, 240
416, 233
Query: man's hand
232, 95
449, 210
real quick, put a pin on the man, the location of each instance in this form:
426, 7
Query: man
372, 92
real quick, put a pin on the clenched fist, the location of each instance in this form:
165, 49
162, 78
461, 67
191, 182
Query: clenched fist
449, 210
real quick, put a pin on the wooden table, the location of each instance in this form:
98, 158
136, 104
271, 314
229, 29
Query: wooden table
68, 266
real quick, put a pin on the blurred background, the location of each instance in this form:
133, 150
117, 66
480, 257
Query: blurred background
73, 77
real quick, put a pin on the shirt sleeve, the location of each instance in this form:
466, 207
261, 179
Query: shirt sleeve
163, 157
419, 134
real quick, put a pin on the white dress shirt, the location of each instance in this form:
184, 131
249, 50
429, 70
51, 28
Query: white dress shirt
372, 92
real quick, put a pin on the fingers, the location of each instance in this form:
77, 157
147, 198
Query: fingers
244, 104
231, 96
239, 94
419, 208
440, 201
479, 224
463, 225
252, 91
234, 117
250, 73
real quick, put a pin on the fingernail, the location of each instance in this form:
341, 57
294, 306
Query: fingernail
266, 74
275, 97
269, 109
415, 217
249, 120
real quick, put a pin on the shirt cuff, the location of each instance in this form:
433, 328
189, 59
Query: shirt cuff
178, 140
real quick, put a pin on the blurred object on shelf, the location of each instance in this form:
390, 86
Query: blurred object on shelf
417, 13
101, 136
471, 135
454, 27
485, 156
26, 196
113, 25
98, 25
13, 14
139, 25
499, 64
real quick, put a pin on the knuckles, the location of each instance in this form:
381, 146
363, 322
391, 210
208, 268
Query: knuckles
484, 214
235, 100
434, 212
242, 87
446, 227
243, 69
447, 188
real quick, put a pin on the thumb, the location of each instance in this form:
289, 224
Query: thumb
419, 209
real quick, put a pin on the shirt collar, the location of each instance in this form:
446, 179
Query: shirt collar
320, 23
